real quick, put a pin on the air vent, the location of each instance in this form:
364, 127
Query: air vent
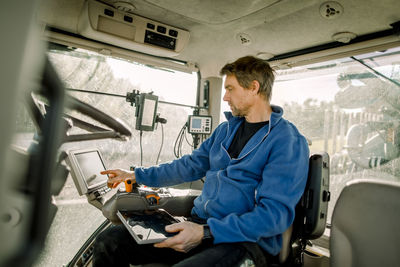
331, 10
243, 38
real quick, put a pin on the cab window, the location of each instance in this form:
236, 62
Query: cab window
350, 108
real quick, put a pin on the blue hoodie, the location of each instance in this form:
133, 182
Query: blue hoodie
251, 198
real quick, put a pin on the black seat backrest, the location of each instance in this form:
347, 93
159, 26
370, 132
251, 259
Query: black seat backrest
311, 211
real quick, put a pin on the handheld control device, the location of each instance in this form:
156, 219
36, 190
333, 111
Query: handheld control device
147, 226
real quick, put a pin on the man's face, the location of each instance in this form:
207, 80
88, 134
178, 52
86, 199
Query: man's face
239, 98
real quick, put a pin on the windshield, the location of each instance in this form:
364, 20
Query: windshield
103, 82
349, 108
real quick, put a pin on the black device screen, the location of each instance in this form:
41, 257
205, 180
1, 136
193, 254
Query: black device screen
91, 166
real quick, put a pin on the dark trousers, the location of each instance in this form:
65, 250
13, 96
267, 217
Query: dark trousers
116, 247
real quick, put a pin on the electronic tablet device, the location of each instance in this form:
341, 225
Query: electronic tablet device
86, 165
147, 227
146, 111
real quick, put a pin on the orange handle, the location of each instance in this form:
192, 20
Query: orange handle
128, 185
153, 199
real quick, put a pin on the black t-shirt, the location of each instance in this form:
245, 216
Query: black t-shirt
244, 133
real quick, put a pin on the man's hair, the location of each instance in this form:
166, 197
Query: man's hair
249, 68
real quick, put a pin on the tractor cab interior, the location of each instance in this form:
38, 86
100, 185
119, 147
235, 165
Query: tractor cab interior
89, 85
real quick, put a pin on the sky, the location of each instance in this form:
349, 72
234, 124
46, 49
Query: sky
177, 87
322, 88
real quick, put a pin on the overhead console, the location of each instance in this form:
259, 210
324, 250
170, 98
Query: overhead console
107, 24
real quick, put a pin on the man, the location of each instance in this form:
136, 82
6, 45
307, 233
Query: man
256, 168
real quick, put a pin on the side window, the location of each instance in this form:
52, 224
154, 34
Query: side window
345, 108
348, 108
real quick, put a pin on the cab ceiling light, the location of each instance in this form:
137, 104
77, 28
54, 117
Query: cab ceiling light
264, 55
243, 38
104, 51
344, 37
331, 10
124, 6
284, 66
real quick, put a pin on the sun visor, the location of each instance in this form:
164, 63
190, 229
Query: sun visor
107, 24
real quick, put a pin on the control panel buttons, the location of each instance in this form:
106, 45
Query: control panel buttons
161, 29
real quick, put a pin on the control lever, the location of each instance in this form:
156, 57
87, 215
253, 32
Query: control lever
153, 199
130, 186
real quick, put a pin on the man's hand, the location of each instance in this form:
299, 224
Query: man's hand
190, 236
118, 175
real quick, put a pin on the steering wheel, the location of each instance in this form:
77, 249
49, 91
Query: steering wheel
119, 129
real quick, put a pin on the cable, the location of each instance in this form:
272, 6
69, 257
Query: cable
202, 138
179, 149
178, 142
141, 148
183, 135
187, 141
181, 142
178, 145
162, 143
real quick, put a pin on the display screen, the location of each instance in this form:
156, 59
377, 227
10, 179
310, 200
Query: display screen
91, 165
196, 123
149, 110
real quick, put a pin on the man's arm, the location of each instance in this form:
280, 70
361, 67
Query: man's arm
117, 176
186, 169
